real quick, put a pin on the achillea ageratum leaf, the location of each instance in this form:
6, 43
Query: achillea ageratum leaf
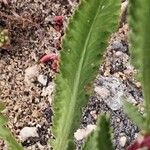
134, 115
5, 134
101, 138
82, 48
90, 142
104, 134
2, 106
139, 13
145, 48
135, 28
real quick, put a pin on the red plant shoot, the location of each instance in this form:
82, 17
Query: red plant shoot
53, 58
140, 143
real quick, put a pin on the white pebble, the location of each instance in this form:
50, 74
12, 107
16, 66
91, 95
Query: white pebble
27, 132
42, 79
82, 133
31, 73
122, 141
103, 92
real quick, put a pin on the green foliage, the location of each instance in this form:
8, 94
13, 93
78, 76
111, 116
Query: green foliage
135, 27
145, 48
101, 138
140, 46
90, 142
134, 115
82, 49
2, 106
5, 134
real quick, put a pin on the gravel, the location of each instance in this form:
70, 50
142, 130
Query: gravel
27, 85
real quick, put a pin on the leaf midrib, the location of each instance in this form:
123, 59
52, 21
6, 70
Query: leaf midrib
71, 112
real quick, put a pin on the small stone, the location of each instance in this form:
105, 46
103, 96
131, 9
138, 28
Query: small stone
41, 147
47, 91
82, 133
118, 120
138, 84
16, 107
35, 113
136, 135
142, 109
27, 132
117, 45
43, 79
107, 73
103, 92
122, 141
31, 73
48, 19
93, 113
118, 53
2, 83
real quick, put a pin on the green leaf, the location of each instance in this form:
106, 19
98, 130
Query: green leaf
134, 40
133, 113
146, 56
82, 49
3, 120
139, 38
2, 106
5, 133
9, 139
104, 134
83, 45
101, 138
90, 142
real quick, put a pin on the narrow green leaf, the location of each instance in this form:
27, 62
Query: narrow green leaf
139, 13
133, 113
135, 28
146, 56
9, 139
2, 106
5, 133
90, 142
104, 134
83, 45
3, 120
101, 138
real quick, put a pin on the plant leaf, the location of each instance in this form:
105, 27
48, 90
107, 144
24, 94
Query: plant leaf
90, 143
133, 113
5, 133
145, 43
101, 138
134, 40
104, 134
9, 139
2, 106
83, 45
3, 120
140, 29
